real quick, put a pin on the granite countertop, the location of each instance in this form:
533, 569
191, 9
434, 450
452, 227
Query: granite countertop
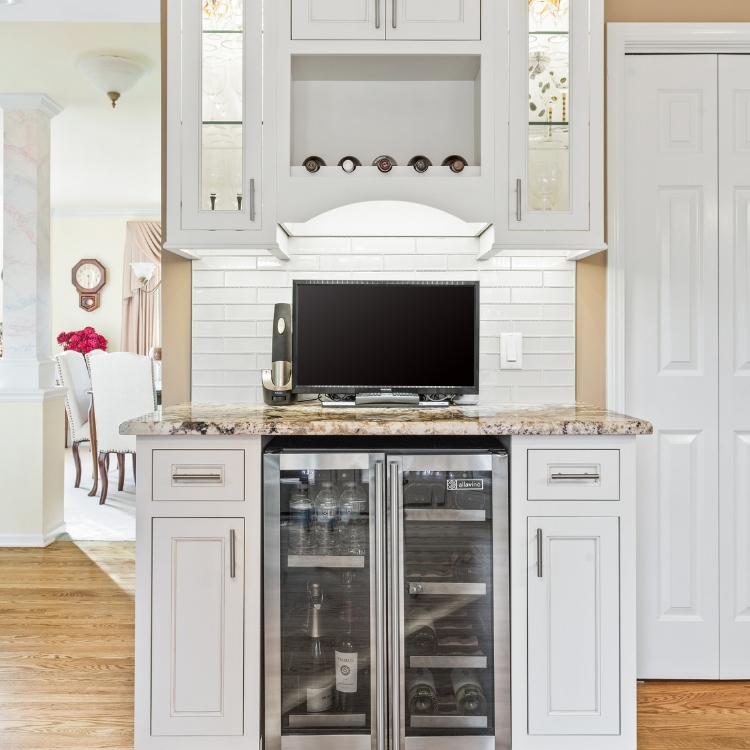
310, 418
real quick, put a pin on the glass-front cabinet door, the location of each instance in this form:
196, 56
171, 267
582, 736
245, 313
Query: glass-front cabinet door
449, 606
221, 114
550, 114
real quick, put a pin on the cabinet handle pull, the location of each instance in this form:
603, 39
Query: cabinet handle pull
377, 14
397, 504
196, 478
393, 13
561, 477
538, 553
518, 200
252, 200
232, 555
381, 649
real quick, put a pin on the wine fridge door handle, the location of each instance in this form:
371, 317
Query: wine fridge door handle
395, 593
539, 547
252, 200
232, 554
393, 13
381, 648
377, 14
518, 200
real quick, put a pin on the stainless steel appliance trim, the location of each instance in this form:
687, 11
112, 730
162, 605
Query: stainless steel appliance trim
380, 533
558, 477
500, 601
426, 462
455, 589
539, 553
323, 461
396, 594
447, 516
327, 741
448, 722
252, 200
325, 561
327, 720
377, 14
485, 742
272, 600
518, 200
232, 555
449, 662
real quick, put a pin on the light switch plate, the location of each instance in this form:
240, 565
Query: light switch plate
511, 351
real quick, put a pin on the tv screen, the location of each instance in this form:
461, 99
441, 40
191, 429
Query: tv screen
359, 336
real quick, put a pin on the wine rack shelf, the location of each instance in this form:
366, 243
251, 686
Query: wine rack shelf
447, 589
449, 662
325, 561
445, 516
448, 722
314, 721
333, 172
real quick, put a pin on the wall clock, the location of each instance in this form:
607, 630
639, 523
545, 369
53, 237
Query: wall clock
89, 276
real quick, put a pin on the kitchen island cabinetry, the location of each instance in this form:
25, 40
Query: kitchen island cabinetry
572, 660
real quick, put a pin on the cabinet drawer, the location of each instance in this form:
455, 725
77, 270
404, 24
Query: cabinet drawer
199, 475
574, 475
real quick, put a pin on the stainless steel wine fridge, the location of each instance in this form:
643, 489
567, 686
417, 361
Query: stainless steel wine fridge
386, 602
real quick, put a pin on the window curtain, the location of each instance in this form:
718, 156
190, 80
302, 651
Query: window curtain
140, 314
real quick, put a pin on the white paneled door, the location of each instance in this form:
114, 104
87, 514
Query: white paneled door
574, 626
671, 367
197, 627
734, 363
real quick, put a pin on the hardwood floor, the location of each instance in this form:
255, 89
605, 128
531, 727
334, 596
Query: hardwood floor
66, 661
66, 646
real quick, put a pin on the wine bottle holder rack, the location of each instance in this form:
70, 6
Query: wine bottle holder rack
325, 561
445, 516
449, 662
334, 721
448, 722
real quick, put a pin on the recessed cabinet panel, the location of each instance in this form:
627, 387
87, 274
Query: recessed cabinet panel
432, 19
337, 19
197, 626
574, 626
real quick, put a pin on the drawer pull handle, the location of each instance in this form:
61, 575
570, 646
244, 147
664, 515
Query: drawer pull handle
538, 553
232, 555
562, 477
196, 478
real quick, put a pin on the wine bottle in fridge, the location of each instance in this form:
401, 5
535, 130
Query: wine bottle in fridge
346, 655
321, 681
419, 632
421, 696
470, 700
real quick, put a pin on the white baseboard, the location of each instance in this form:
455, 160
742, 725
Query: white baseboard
32, 540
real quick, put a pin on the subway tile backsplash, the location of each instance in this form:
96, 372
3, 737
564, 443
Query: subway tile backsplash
233, 299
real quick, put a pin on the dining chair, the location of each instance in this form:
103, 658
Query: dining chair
92, 353
74, 375
123, 388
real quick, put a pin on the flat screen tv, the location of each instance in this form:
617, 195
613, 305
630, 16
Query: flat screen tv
353, 337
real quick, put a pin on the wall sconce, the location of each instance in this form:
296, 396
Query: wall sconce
143, 272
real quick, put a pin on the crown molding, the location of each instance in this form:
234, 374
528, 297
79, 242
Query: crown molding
31, 101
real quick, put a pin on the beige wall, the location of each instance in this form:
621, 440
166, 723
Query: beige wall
72, 239
591, 280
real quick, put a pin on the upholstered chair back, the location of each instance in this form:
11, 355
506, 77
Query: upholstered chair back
73, 374
123, 389
93, 353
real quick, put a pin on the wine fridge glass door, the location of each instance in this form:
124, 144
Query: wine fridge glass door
453, 608
320, 608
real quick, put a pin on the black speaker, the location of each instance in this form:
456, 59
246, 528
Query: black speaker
277, 382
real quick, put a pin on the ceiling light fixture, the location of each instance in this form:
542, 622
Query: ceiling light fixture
111, 74
10, 2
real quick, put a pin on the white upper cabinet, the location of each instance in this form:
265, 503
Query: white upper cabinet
550, 189
217, 188
386, 19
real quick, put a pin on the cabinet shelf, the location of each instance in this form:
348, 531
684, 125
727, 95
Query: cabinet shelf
325, 561
448, 722
449, 662
549, 33
223, 31
223, 122
373, 172
546, 122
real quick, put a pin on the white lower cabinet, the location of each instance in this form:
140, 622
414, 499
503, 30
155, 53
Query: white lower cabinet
573, 626
197, 627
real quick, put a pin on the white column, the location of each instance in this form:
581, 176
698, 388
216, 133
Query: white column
31, 407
